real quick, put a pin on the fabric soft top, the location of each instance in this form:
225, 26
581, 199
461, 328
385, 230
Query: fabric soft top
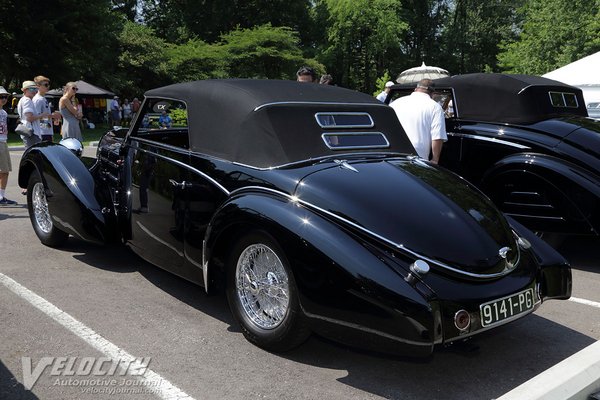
520, 99
268, 123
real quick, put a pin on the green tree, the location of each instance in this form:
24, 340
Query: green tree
421, 41
471, 38
196, 60
209, 19
359, 35
142, 61
553, 33
65, 40
264, 52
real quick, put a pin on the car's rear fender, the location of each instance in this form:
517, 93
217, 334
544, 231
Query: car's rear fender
554, 271
546, 193
345, 289
74, 200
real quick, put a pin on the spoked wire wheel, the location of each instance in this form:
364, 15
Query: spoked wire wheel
40, 208
263, 295
40, 215
262, 286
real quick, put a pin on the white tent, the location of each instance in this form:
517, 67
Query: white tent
584, 74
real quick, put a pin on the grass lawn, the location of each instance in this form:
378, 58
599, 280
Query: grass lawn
89, 135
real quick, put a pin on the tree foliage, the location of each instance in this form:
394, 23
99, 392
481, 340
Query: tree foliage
473, 33
64, 39
129, 46
359, 35
553, 33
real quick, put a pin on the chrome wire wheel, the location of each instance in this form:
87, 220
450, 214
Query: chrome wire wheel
262, 286
40, 208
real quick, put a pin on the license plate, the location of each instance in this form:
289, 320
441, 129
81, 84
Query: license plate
506, 308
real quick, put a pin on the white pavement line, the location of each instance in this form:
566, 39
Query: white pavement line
586, 302
574, 378
160, 386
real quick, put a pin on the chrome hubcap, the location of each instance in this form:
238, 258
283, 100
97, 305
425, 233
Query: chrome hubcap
40, 208
262, 286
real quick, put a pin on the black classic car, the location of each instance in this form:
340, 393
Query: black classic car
527, 142
307, 205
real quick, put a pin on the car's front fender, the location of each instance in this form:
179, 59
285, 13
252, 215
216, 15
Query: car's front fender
345, 289
71, 191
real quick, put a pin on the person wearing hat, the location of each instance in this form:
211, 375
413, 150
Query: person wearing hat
27, 113
383, 95
423, 120
5, 165
115, 111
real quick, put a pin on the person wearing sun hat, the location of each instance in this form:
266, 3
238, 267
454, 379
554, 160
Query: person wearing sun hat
5, 165
27, 114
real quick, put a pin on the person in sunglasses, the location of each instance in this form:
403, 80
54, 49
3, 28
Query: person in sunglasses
5, 165
70, 113
41, 105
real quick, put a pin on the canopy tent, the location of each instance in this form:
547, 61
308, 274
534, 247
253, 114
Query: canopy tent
584, 74
423, 72
85, 89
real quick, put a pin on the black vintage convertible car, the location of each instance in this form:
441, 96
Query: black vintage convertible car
307, 205
528, 143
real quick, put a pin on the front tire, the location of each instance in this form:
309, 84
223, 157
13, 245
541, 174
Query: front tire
39, 214
262, 294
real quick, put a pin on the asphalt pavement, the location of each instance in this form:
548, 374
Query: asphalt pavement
89, 302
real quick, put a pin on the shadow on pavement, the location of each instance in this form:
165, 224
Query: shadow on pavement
11, 388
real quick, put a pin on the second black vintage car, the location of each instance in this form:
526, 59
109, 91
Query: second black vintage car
307, 205
528, 143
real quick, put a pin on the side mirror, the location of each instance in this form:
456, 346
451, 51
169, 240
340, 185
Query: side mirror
74, 145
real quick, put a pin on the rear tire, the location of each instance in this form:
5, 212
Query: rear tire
262, 294
39, 214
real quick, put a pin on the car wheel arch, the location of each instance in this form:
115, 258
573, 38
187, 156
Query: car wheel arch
563, 180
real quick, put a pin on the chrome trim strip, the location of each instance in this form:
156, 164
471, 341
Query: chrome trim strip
184, 165
493, 140
318, 159
378, 146
536, 216
513, 203
526, 193
400, 247
320, 103
370, 125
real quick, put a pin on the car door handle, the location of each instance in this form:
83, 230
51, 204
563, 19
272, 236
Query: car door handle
180, 185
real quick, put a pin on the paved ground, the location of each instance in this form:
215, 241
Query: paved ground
196, 348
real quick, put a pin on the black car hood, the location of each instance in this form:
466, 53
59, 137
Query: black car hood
410, 203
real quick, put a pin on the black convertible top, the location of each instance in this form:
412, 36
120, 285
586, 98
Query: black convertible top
520, 99
271, 122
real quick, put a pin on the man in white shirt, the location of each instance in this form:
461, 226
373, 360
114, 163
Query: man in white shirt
423, 120
27, 113
383, 95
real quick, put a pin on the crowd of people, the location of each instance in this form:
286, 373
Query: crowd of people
121, 113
